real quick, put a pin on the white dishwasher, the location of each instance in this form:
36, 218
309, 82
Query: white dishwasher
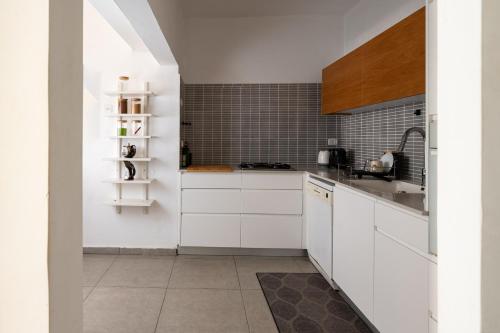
319, 217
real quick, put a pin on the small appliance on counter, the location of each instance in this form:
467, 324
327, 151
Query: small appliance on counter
338, 158
324, 157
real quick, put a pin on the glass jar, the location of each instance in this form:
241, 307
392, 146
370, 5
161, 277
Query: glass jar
136, 106
121, 127
137, 128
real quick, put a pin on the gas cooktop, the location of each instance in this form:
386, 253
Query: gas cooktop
265, 166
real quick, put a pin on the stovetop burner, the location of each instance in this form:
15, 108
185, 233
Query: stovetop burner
265, 166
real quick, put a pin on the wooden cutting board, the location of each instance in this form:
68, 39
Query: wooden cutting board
210, 168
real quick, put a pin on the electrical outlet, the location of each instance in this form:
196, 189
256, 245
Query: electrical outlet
333, 141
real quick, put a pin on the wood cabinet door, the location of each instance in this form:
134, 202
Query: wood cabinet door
342, 84
391, 66
394, 62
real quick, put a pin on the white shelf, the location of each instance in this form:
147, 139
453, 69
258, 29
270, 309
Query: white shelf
131, 203
131, 137
128, 115
135, 159
130, 93
123, 181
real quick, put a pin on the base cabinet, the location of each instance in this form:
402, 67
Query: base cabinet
401, 301
352, 264
271, 231
210, 230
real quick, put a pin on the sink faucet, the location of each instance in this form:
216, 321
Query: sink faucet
407, 133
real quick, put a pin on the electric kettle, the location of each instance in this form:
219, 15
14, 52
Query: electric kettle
324, 157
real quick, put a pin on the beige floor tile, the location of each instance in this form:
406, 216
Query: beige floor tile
305, 265
122, 310
208, 272
86, 292
94, 266
247, 267
202, 310
260, 319
138, 271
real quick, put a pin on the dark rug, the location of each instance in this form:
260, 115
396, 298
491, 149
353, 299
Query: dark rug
306, 303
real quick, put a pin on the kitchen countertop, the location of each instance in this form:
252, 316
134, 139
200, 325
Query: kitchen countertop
413, 202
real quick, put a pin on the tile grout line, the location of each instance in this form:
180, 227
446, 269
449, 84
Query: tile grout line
165, 294
98, 281
241, 294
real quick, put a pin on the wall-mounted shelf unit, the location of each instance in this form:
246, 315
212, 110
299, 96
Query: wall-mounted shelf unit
130, 93
131, 137
132, 203
123, 181
129, 115
122, 159
142, 144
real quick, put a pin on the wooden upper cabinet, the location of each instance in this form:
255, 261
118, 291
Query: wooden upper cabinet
388, 67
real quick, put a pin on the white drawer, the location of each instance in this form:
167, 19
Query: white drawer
433, 285
281, 202
210, 230
272, 180
271, 231
402, 226
211, 201
211, 180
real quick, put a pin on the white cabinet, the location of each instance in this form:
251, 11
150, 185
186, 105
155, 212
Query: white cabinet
433, 290
409, 229
212, 230
400, 289
353, 236
211, 180
211, 201
272, 180
271, 231
288, 202
264, 212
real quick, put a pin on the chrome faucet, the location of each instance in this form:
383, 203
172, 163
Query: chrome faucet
407, 133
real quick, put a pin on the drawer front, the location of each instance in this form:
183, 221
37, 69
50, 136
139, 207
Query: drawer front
280, 202
433, 291
272, 180
271, 231
210, 230
404, 227
211, 180
211, 201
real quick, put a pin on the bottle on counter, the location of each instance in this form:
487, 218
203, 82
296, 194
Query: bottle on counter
186, 156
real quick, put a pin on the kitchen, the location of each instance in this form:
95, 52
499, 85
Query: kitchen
327, 169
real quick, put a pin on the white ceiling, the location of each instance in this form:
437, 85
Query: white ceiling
256, 8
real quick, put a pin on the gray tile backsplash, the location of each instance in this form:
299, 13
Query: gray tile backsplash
234, 123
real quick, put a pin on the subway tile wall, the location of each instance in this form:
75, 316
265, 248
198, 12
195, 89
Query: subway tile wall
234, 123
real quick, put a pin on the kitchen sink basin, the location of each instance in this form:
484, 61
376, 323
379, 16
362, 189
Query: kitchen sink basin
395, 186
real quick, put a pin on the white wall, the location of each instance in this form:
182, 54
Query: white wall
460, 202
369, 18
106, 56
170, 17
24, 305
65, 162
261, 50
491, 160
40, 192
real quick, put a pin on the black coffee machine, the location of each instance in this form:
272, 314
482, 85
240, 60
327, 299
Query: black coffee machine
338, 158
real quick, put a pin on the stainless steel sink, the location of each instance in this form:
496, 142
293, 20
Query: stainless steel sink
395, 186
